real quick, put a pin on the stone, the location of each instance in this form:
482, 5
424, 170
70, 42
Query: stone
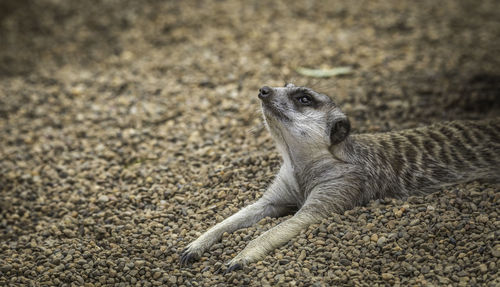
387, 276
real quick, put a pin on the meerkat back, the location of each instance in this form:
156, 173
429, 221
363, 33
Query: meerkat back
421, 160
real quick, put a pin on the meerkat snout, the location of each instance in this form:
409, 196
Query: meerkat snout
265, 93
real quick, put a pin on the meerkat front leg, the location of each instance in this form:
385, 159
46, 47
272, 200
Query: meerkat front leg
258, 248
271, 204
243, 218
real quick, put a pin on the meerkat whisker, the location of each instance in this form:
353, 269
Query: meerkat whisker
256, 129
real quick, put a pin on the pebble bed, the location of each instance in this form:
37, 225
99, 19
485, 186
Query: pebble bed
128, 128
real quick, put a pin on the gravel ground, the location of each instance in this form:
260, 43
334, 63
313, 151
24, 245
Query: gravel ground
128, 128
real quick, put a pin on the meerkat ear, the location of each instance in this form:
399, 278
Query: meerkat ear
339, 130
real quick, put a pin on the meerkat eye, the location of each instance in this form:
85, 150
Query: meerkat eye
305, 99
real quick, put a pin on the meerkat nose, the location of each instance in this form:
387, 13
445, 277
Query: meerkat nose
265, 92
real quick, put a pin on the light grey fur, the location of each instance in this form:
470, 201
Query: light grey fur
325, 170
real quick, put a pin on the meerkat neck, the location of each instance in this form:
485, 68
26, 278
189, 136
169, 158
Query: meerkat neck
296, 156
343, 150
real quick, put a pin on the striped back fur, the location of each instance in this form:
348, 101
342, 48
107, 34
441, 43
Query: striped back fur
416, 161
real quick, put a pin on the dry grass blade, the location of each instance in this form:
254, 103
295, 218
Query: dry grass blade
324, 73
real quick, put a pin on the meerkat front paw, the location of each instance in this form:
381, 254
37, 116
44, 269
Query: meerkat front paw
232, 267
190, 254
195, 249
236, 263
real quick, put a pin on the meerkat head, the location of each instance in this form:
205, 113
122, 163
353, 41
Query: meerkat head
302, 116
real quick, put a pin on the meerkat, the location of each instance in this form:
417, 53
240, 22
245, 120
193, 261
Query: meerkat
327, 170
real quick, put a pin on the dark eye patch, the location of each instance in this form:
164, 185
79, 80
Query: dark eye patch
306, 100
303, 98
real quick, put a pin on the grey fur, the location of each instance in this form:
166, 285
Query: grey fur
325, 170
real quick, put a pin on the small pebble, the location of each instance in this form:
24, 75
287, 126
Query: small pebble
302, 255
103, 198
483, 268
387, 276
381, 241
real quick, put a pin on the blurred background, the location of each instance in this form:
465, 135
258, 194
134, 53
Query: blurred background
129, 127
413, 54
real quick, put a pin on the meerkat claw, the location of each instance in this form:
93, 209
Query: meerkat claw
187, 257
233, 267
219, 269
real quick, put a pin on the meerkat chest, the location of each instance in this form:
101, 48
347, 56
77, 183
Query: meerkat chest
292, 193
